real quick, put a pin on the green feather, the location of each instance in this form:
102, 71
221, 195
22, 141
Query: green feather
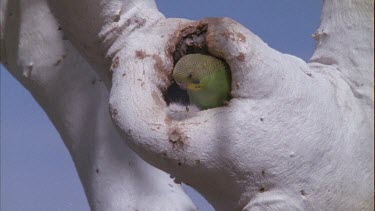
207, 78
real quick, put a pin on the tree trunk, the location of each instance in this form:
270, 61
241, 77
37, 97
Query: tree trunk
294, 136
76, 101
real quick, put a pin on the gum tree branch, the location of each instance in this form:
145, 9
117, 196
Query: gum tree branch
93, 26
292, 135
345, 41
76, 101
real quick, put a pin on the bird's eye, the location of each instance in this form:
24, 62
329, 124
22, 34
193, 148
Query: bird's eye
196, 82
190, 75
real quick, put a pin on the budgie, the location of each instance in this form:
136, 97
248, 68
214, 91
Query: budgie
206, 79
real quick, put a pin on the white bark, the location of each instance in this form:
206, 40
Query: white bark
345, 42
295, 136
76, 101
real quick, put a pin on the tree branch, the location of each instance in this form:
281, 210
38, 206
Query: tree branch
345, 41
93, 26
285, 135
75, 99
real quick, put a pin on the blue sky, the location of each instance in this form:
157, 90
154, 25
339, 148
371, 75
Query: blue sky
37, 172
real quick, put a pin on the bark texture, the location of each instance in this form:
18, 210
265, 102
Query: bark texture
295, 136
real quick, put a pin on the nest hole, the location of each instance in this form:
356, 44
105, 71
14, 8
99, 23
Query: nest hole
193, 41
175, 94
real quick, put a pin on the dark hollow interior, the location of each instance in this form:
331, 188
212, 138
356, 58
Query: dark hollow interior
191, 43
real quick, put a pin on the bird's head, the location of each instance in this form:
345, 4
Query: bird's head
191, 72
189, 81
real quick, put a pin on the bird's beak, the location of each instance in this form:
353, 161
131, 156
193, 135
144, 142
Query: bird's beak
182, 85
193, 87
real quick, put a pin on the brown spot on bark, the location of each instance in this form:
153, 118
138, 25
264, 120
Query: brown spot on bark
158, 63
141, 54
97, 171
158, 101
57, 62
241, 37
225, 34
303, 193
238, 85
137, 22
140, 22
261, 189
233, 36
93, 81
117, 18
114, 112
167, 121
115, 62
126, 24
161, 68
240, 57
176, 138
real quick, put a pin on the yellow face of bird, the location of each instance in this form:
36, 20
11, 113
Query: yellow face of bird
191, 71
186, 80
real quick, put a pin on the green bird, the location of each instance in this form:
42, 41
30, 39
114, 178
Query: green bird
206, 79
